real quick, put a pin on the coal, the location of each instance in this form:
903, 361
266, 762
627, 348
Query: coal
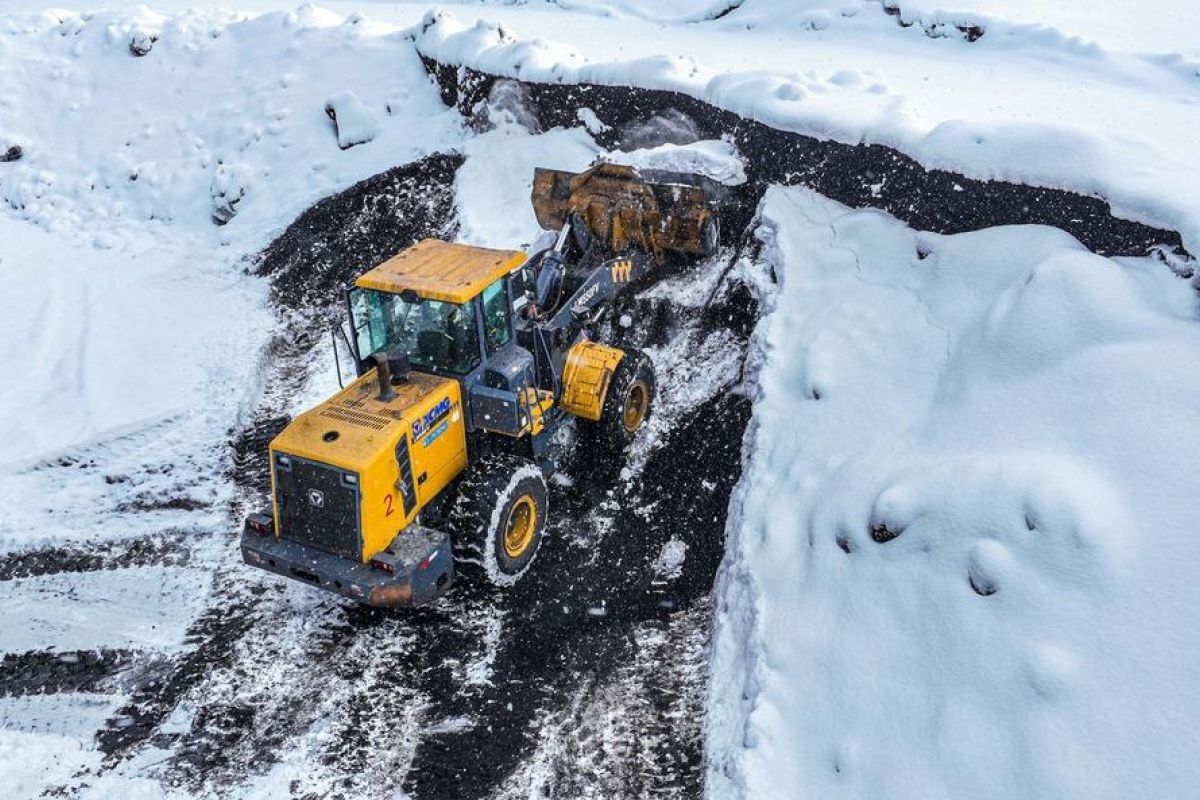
856, 175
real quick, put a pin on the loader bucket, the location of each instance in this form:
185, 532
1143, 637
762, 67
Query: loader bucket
621, 209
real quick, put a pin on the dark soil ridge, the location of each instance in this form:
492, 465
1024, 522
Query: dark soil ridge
37, 672
345, 234
858, 176
168, 548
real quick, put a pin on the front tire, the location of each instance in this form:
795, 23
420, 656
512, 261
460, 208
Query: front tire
498, 518
628, 403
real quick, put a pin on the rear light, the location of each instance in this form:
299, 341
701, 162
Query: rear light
260, 524
383, 565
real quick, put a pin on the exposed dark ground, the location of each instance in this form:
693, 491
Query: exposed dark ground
453, 700
587, 678
858, 176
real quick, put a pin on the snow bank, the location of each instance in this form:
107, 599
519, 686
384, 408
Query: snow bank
716, 159
1056, 111
104, 343
112, 141
962, 562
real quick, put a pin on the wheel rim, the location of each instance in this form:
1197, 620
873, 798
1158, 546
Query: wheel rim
522, 522
636, 404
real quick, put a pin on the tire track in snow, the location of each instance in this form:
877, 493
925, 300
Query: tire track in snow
169, 548
51, 672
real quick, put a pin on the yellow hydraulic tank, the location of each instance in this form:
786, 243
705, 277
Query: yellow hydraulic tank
587, 372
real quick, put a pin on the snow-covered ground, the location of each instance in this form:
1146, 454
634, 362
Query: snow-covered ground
1024, 103
964, 562
959, 561
133, 331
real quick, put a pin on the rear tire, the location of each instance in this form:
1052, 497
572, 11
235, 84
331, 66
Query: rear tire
498, 518
628, 403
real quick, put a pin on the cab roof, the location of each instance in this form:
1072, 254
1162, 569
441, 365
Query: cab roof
438, 270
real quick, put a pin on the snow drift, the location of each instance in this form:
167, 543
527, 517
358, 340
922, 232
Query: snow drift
1025, 103
963, 561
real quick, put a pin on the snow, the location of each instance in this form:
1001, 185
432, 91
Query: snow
31, 761
217, 89
960, 558
87, 611
669, 563
355, 122
716, 159
494, 213
1057, 111
962, 551
109, 340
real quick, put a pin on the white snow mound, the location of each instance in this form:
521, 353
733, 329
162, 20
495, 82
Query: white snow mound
355, 123
962, 558
716, 159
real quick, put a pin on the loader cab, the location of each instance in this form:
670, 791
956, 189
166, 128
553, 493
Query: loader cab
434, 336
446, 307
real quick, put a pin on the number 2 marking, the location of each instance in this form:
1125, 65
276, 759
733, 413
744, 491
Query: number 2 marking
387, 501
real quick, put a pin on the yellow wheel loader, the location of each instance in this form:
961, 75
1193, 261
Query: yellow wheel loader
433, 462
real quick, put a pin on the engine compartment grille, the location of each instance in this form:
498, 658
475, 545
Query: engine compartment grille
318, 505
364, 419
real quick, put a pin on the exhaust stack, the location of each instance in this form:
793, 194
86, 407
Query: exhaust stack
383, 371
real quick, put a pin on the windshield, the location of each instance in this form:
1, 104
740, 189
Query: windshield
437, 336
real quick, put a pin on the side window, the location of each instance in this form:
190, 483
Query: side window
464, 344
367, 320
496, 325
445, 337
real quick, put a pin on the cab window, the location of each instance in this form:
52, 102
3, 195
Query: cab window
496, 326
437, 336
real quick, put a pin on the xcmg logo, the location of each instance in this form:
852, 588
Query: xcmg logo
431, 417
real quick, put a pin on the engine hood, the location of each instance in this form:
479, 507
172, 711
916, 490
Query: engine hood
354, 428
